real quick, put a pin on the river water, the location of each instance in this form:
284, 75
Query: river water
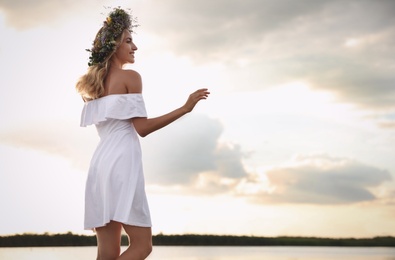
209, 253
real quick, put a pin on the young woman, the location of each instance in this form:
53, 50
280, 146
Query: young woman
115, 195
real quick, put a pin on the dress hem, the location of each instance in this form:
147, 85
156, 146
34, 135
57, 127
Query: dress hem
136, 224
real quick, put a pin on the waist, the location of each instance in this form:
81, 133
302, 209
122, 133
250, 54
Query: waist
109, 128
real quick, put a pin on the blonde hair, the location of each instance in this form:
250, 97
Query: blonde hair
91, 85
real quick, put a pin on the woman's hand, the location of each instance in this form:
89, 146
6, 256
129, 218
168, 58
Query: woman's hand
194, 98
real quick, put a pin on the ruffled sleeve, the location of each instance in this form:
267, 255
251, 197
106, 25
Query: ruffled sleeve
119, 106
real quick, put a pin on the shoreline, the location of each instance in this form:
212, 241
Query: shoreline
70, 239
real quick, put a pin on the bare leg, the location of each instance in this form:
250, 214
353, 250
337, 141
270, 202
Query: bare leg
109, 241
140, 243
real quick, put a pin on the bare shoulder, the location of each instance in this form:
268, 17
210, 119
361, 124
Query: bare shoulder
122, 82
133, 81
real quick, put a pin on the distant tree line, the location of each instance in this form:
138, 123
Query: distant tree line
214, 240
69, 239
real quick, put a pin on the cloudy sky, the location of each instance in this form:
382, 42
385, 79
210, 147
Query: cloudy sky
297, 137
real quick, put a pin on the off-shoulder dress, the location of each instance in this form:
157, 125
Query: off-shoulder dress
115, 188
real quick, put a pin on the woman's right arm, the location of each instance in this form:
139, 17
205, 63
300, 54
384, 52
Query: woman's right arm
144, 126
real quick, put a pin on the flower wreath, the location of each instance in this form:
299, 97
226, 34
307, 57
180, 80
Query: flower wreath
105, 42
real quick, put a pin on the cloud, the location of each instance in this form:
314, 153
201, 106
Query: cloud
22, 14
342, 47
207, 28
180, 153
61, 138
322, 179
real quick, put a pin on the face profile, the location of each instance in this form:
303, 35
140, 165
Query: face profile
126, 49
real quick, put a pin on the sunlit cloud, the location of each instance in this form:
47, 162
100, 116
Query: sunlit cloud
180, 154
303, 41
352, 42
24, 15
322, 179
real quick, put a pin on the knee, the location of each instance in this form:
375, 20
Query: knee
109, 253
138, 251
148, 249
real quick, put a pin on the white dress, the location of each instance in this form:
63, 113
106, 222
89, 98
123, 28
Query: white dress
115, 183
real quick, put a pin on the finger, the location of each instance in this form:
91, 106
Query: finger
202, 94
201, 90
